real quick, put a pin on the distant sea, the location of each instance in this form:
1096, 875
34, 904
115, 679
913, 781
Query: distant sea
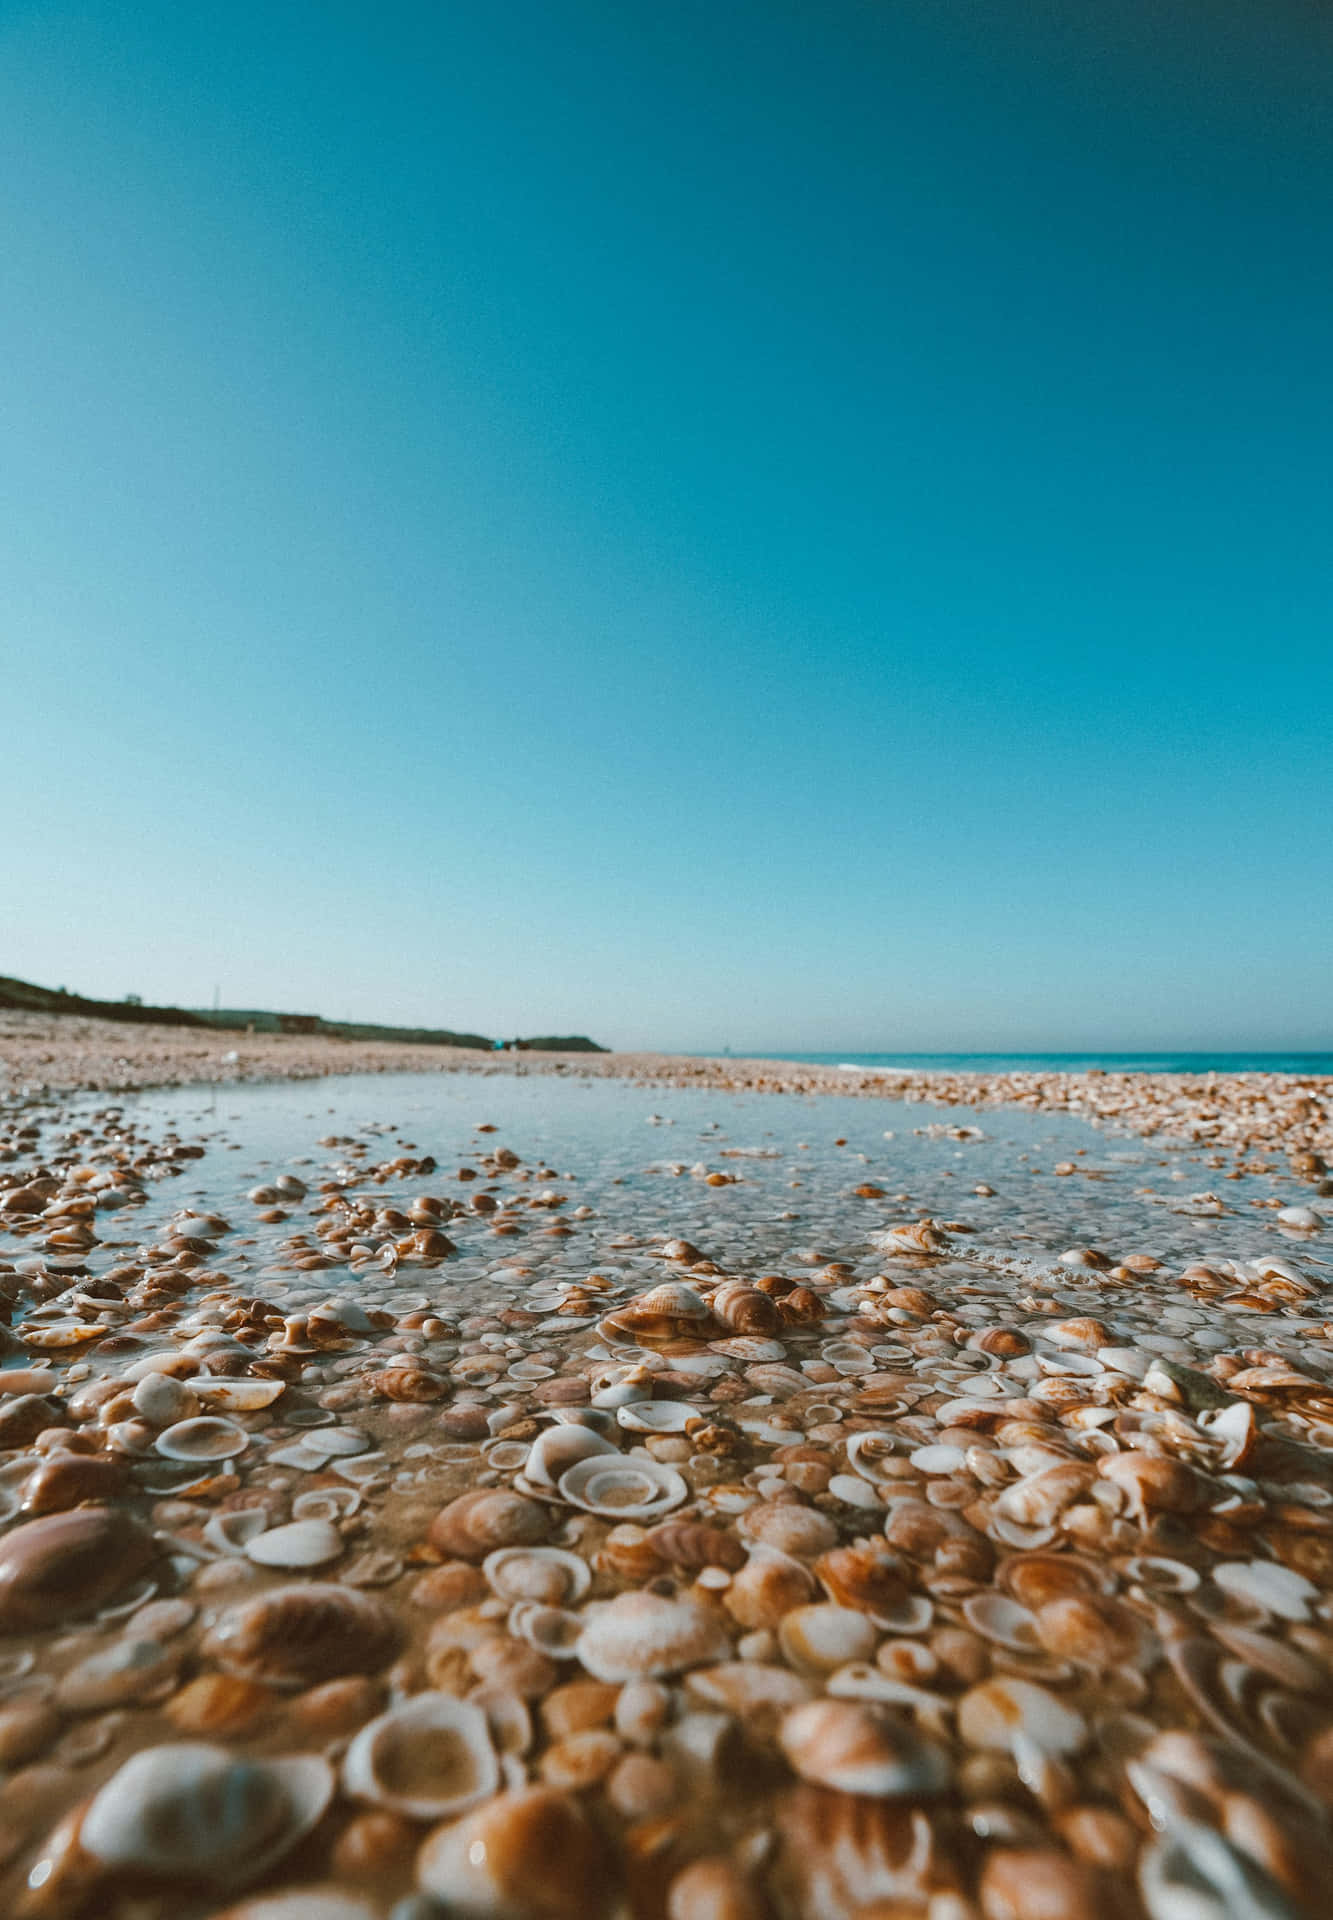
1190, 1063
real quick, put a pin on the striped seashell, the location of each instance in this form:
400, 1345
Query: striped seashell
743, 1308
689, 1543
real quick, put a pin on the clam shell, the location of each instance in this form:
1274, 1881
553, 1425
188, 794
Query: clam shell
301, 1543
67, 1564
530, 1853
628, 1488
854, 1746
298, 1635
989, 1716
818, 1639
428, 1757
238, 1396
486, 1519
641, 1636
656, 1416
559, 1448
196, 1813
207, 1437
129, 1671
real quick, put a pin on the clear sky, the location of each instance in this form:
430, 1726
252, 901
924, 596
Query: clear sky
751, 523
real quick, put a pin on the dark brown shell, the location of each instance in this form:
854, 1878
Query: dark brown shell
68, 1563
415, 1384
63, 1480
299, 1635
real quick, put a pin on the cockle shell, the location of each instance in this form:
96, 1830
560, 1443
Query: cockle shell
865, 1576
488, 1518
298, 1635
414, 1385
989, 1717
196, 1813
790, 1528
917, 1236
428, 1757
672, 1311
689, 1543
628, 1487
818, 1639
767, 1587
640, 1636
525, 1855
744, 1309
1152, 1483
68, 1563
856, 1747
755, 1692
301, 1543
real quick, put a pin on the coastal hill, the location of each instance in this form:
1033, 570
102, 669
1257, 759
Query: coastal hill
23, 997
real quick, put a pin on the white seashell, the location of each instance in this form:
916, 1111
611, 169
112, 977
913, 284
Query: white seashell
855, 1492
818, 1638
750, 1347
336, 1443
547, 1574
326, 1503
1279, 1590
301, 1543
748, 1688
1300, 1219
990, 1715
938, 1459
238, 1396
996, 1617
644, 1635
197, 1813
551, 1630
163, 1400
656, 1416
628, 1488
1193, 1873
204, 1438
557, 1449
131, 1671
231, 1532
429, 1757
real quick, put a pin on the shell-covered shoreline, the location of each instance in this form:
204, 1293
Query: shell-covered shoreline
390, 1539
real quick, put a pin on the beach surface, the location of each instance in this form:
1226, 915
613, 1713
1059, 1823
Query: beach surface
627, 1487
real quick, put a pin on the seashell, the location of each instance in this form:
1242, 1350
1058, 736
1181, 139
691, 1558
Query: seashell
942, 1539
790, 1528
1193, 1873
1004, 1621
630, 1488
917, 1236
529, 1853
301, 1543
414, 1385
428, 1757
865, 1576
196, 1813
817, 1639
767, 1587
655, 1416
231, 1532
237, 1396
558, 1448
482, 1521
1278, 1590
744, 1309
844, 1854
1096, 1632
129, 1671
641, 1636
164, 1400
207, 1437
302, 1903
581, 1760
1034, 1579
546, 1574
64, 1480
990, 1715
670, 1312
854, 1746
1153, 1483
220, 1704
1039, 1499
756, 1693
552, 1631
1018, 1881
67, 1564
296, 1635
688, 1543
751, 1347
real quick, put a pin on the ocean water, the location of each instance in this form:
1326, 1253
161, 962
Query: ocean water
1184, 1063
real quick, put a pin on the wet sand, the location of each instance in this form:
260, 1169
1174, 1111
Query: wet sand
630, 1499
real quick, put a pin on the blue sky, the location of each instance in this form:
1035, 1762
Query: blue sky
769, 525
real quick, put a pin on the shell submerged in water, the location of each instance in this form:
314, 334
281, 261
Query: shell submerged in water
298, 1635
427, 1758
65, 1564
530, 1853
642, 1636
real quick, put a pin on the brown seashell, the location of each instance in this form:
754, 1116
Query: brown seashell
65, 1480
531, 1853
857, 1747
844, 1854
1008, 1341
714, 1888
24, 1415
577, 1706
375, 1845
1153, 1483
1096, 1632
628, 1551
789, 1527
68, 1563
295, 1635
1036, 1579
866, 1576
1019, 1883
673, 1311
27, 1729
455, 1584
479, 1522
413, 1384
687, 1543
744, 1309
217, 1705
766, 1588
337, 1708
939, 1538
